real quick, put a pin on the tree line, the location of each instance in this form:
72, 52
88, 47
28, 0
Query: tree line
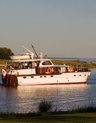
5, 53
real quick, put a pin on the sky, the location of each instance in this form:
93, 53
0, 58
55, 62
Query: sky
57, 28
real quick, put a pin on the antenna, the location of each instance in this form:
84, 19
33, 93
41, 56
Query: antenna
27, 49
35, 51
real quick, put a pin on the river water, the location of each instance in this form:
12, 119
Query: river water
25, 99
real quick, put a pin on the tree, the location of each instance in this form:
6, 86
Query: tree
5, 53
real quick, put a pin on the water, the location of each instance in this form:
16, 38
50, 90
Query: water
25, 99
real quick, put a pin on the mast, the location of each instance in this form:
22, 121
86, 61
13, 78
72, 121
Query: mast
27, 49
35, 51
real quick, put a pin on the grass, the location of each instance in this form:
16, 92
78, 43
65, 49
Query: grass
80, 115
75, 63
3, 61
50, 118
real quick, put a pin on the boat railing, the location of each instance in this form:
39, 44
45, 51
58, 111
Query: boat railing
49, 70
63, 69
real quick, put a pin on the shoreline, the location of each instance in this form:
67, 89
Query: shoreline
86, 117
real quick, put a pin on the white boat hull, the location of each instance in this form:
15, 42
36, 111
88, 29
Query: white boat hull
64, 78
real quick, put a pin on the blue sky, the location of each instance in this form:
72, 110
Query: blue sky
63, 28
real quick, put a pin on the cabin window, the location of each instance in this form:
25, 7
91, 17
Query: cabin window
21, 65
24, 65
46, 63
35, 64
29, 64
56, 70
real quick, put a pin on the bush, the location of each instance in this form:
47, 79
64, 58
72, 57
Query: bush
5, 53
44, 106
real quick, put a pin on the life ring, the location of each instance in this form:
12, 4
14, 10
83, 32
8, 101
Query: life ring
49, 70
71, 69
3, 73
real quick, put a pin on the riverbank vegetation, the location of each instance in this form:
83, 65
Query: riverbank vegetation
75, 63
5, 53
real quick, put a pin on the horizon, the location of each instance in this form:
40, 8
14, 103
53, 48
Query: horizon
61, 57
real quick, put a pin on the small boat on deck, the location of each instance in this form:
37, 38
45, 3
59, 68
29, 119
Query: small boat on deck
27, 70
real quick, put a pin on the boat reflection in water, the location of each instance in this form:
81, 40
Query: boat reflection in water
24, 99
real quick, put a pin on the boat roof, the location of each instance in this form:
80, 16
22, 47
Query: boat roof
29, 60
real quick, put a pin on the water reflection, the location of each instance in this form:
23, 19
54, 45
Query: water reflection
26, 98
64, 97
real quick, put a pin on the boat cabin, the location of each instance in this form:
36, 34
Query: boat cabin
36, 66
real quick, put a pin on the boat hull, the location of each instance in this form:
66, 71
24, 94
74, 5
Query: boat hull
64, 78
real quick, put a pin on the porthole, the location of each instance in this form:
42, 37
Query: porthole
51, 75
24, 77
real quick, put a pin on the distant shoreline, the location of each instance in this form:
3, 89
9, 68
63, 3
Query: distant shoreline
69, 58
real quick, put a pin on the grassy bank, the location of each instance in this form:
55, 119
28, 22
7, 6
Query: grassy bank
2, 62
75, 63
80, 115
49, 118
